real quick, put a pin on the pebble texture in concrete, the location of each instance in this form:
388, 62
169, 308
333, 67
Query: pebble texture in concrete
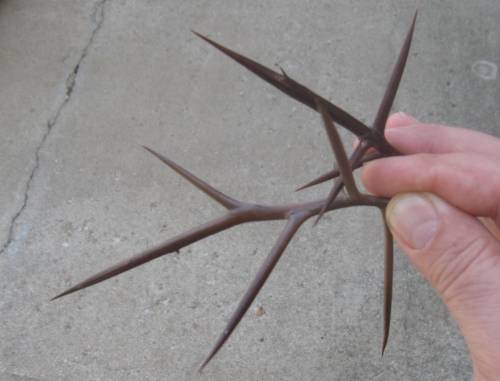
84, 84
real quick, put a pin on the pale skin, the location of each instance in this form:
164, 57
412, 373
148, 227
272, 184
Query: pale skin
449, 178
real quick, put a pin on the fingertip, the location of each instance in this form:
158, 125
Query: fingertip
400, 119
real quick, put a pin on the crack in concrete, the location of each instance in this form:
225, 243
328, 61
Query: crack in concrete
97, 17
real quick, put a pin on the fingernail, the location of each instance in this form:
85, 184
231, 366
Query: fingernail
413, 219
400, 119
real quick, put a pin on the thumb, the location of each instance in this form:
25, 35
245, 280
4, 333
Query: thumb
460, 258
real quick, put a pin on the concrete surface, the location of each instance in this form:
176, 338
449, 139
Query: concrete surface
84, 84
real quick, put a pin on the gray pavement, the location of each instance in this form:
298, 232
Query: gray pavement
84, 84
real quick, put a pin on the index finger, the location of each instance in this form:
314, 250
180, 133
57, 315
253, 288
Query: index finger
410, 136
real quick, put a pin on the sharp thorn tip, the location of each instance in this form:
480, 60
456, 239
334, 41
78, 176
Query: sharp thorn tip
302, 188
203, 365
283, 72
57, 297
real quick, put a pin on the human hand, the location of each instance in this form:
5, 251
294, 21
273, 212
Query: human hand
448, 178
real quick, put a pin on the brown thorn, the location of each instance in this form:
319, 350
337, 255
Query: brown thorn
337, 185
335, 172
343, 164
265, 270
320, 179
334, 192
392, 86
283, 72
295, 90
388, 279
210, 191
167, 247
246, 213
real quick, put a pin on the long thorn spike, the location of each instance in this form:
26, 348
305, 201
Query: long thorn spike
392, 86
265, 270
335, 173
292, 88
172, 245
354, 161
343, 164
388, 280
320, 179
209, 190
334, 192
